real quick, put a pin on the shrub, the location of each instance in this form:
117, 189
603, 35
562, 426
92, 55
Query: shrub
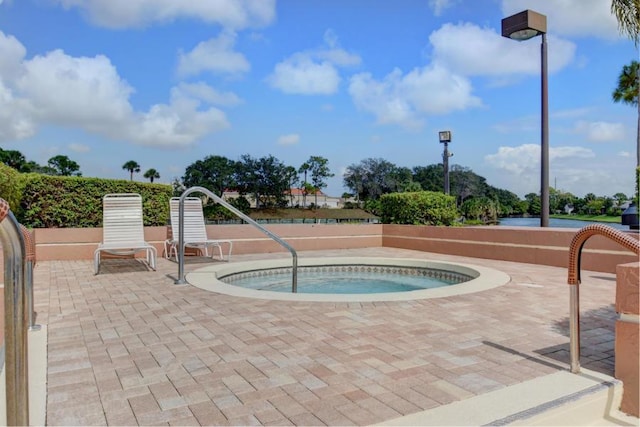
481, 209
11, 183
60, 202
422, 207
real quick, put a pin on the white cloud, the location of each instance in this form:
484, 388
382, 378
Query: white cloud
209, 94
521, 164
88, 93
177, 124
571, 17
439, 6
459, 52
13, 52
75, 91
558, 153
624, 154
600, 131
290, 139
404, 99
232, 14
313, 72
299, 74
335, 54
215, 55
471, 50
16, 117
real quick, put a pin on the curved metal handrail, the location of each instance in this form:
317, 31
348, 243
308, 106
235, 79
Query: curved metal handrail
181, 279
16, 351
30, 263
575, 251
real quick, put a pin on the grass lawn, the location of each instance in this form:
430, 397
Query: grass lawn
599, 218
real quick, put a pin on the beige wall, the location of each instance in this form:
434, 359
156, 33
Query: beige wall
545, 246
627, 343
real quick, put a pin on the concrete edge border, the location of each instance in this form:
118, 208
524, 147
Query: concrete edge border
485, 278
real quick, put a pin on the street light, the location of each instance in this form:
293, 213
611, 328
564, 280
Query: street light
523, 26
445, 138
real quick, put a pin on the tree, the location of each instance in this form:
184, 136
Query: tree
13, 159
152, 174
304, 184
480, 209
131, 166
371, 178
403, 180
627, 12
620, 198
64, 166
267, 178
216, 173
627, 93
507, 203
318, 166
534, 207
292, 177
465, 183
430, 178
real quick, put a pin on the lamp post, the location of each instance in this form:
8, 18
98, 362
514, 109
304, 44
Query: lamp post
523, 26
445, 138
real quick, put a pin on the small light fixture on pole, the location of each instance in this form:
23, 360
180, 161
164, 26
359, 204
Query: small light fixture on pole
523, 26
445, 138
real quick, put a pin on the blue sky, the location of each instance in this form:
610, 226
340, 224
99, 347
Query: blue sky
169, 82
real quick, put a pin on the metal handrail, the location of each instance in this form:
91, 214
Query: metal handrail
575, 251
16, 347
181, 280
29, 264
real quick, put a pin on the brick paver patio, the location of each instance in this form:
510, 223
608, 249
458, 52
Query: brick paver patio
130, 347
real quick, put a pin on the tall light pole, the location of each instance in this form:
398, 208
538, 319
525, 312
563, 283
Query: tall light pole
523, 26
445, 138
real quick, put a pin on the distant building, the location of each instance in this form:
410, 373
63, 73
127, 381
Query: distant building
295, 199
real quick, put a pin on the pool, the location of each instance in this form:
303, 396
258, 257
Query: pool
396, 279
346, 279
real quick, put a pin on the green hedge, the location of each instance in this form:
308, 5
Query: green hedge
423, 207
59, 202
11, 184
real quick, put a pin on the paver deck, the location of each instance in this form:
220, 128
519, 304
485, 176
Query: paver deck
130, 347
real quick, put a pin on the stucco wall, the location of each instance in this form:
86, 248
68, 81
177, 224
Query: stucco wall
627, 345
544, 246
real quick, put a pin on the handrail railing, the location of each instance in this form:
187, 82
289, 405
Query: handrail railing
181, 279
575, 251
16, 351
29, 264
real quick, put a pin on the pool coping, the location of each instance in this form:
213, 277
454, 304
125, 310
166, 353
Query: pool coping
206, 278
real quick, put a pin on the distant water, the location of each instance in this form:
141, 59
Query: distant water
555, 222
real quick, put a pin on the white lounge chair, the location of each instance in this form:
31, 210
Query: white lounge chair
195, 230
123, 228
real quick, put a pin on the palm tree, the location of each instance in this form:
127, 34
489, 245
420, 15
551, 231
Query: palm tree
627, 12
151, 174
627, 93
131, 166
304, 184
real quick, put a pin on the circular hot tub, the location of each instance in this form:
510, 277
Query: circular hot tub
347, 279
